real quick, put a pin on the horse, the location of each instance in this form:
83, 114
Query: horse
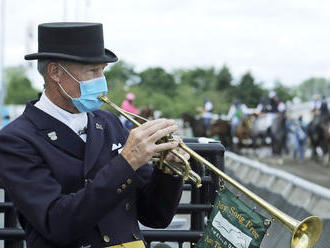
147, 113
197, 125
222, 129
261, 129
244, 131
278, 133
219, 128
318, 133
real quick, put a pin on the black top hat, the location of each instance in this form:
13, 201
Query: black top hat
73, 41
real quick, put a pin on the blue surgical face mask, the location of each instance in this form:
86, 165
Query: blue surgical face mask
89, 92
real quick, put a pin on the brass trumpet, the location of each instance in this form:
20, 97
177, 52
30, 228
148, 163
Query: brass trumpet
304, 234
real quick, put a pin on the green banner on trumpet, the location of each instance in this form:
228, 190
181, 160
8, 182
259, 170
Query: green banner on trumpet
232, 224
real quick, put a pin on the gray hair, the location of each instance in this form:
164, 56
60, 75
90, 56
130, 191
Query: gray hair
43, 65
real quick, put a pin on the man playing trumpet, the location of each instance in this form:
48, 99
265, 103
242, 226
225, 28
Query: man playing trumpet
75, 175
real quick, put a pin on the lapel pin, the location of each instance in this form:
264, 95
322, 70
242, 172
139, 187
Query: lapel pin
52, 135
99, 126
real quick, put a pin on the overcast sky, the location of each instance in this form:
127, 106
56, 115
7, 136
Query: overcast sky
286, 40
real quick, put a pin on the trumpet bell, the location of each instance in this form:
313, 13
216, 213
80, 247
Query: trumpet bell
307, 233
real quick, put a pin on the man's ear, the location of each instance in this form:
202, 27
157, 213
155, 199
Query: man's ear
54, 71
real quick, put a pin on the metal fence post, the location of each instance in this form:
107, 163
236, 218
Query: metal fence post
11, 222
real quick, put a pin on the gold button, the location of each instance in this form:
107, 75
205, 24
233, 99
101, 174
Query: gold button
106, 238
135, 236
124, 186
119, 190
127, 206
129, 181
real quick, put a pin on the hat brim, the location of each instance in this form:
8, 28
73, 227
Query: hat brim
108, 57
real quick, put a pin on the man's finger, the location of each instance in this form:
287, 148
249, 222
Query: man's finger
160, 133
166, 146
154, 126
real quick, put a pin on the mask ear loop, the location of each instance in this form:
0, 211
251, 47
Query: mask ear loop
71, 77
64, 91
68, 73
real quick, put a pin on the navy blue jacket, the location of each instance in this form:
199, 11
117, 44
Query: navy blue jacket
72, 194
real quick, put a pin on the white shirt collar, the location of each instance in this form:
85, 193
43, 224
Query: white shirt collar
76, 122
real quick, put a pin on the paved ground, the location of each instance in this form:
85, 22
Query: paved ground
316, 172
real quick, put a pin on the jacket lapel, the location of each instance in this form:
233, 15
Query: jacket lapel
95, 139
55, 132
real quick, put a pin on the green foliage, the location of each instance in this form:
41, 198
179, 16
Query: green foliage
247, 91
157, 79
199, 78
224, 78
19, 87
121, 72
284, 93
169, 106
309, 87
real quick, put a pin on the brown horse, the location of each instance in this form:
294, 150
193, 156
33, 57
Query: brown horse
196, 125
222, 129
147, 113
219, 128
244, 131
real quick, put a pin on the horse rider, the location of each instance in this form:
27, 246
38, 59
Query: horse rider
128, 106
276, 105
316, 104
207, 114
263, 106
236, 113
76, 176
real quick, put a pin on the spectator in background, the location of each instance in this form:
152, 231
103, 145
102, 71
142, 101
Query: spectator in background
128, 106
300, 139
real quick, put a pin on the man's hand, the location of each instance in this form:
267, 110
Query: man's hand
141, 143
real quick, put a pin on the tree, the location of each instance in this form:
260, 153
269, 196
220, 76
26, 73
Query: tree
312, 86
199, 78
121, 72
224, 78
247, 91
157, 79
284, 93
19, 87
